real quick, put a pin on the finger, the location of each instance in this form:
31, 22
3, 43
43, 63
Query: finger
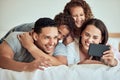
109, 55
107, 58
47, 64
41, 68
106, 52
90, 57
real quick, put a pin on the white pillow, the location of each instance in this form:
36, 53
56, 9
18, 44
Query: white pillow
114, 42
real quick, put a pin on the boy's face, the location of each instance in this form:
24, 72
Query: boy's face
47, 39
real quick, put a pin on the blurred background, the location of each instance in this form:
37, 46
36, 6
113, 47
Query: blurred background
16, 12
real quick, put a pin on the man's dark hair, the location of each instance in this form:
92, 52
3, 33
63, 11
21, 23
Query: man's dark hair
43, 22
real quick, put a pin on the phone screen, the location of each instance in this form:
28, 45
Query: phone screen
97, 49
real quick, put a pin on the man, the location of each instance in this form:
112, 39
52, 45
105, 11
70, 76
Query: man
14, 56
65, 26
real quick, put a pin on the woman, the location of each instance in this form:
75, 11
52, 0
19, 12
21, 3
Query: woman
95, 31
80, 11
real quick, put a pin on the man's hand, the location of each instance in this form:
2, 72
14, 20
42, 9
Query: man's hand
37, 64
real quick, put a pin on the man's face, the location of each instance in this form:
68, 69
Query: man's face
47, 39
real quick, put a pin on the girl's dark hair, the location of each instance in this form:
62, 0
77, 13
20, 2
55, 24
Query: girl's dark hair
98, 24
64, 19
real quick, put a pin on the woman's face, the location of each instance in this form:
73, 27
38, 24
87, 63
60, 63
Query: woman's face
90, 35
78, 15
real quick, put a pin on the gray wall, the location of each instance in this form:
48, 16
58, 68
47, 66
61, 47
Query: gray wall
108, 11
15, 12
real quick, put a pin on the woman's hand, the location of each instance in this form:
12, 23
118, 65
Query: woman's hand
108, 58
88, 61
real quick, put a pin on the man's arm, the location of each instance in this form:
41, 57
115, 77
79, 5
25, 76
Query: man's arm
27, 41
7, 61
54, 60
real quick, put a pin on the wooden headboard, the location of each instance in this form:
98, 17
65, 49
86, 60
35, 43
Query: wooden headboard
115, 35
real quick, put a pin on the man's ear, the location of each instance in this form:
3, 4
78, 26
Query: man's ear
35, 36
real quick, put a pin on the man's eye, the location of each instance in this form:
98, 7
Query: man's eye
46, 37
56, 37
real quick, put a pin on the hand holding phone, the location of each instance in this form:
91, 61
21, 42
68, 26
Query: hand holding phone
97, 49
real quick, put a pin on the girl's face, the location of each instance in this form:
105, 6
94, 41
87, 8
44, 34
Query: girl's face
63, 32
90, 35
78, 15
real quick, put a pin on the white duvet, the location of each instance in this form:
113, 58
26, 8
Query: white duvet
74, 72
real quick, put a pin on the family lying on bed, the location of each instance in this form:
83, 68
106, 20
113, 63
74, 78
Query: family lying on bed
76, 28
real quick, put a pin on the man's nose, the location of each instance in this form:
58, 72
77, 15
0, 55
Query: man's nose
52, 41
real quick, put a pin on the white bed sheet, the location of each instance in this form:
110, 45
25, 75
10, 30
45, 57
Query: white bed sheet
74, 72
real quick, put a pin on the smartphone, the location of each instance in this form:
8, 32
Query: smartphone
97, 49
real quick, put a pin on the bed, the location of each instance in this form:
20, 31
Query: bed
73, 72
62, 72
